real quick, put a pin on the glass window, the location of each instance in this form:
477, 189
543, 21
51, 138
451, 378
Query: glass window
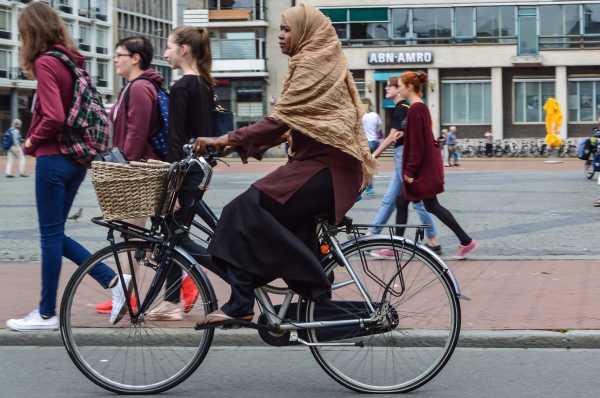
466, 102
584, 101
4, 20
102, 73
400, 22
432, 22
342, 30
368, 15
591, 18
532, 103
4, 61
84, 34
102, 7
234, 45
464, 18
369, 30
529, 100
559, 20
495, 21
101, 38
573, 101
336, 14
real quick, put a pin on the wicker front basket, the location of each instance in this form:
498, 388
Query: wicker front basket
129, 190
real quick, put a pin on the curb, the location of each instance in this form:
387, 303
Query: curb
468, 339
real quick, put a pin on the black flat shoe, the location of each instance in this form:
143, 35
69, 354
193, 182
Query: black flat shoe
219, 318
436, 249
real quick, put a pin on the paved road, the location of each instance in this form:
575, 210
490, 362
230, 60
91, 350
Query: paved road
536, 211
258, 372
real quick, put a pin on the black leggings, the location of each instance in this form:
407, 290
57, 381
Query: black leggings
434, 207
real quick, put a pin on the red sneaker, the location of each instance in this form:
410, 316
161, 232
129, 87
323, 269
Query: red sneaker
106, 307
189, 293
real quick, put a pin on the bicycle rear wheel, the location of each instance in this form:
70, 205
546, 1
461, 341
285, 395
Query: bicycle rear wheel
421, 326
143, 356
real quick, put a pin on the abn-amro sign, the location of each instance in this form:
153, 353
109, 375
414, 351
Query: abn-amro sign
400, 57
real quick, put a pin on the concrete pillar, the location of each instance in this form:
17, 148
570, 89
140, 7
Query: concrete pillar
433, 99
562, 96
497, 110
277, 63
371, 88
14, 104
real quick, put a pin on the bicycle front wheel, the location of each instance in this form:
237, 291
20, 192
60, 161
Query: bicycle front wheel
150, 354
420, 326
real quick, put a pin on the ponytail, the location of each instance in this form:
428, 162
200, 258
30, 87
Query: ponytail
199, 42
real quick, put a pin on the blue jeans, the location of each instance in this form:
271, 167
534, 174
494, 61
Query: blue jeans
57, 180
373, 145
389, 200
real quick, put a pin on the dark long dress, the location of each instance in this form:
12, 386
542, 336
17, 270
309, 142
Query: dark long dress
268, 232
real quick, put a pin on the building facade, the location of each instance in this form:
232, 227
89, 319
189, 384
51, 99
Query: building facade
492, 64
238, 32
150, 18
89, 23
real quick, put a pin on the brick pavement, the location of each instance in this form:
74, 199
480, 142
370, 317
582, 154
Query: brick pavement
386, 165
504, 295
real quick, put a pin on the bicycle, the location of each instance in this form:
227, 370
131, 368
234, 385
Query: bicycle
382, 309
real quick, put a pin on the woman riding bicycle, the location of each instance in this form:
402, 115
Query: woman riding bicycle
268, 232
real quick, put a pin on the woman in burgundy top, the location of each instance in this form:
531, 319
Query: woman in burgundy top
268, 232
422, 163
57, 177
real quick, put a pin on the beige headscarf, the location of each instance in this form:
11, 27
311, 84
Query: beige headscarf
319, 96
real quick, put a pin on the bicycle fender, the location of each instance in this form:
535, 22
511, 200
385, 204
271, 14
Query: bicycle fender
400, 240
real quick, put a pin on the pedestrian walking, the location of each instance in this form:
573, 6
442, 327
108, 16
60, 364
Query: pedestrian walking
422, 163
388, 204
190, 107
15, 150
443, 140
489, 143
451, 141
135, 117
57, 177
372, 126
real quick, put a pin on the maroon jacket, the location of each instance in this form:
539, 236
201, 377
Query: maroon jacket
53, 99
310, 157
422, 157
139, 118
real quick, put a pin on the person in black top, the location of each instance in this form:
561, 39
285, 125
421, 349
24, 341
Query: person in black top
190, 116
191, 97
398, 126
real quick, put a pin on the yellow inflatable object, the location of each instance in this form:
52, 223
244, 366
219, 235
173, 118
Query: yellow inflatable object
554, 120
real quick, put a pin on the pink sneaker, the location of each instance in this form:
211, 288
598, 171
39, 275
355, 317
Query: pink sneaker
464, 250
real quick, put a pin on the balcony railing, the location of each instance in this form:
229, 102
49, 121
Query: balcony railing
428, 41
62, 5
237, 48
569, 42
16, 73
87, 10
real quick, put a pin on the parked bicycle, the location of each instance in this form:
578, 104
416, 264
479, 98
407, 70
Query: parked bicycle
390, 325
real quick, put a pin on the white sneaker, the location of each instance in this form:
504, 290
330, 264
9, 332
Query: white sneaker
32, 322
119, 299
